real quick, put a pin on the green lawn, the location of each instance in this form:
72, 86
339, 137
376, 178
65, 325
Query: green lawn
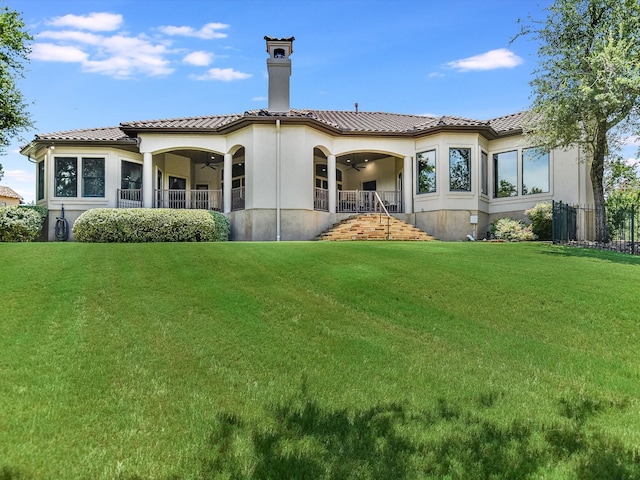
318, 360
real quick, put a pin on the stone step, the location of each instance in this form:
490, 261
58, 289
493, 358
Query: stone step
368, 227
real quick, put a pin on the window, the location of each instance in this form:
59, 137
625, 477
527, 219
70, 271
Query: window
484, 173
321, 177
40, 190
426, 167
535, 171
131, 175
66, 177
460, 169
93, 177
505, 174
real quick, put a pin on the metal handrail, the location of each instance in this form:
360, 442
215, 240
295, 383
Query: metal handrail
383, 208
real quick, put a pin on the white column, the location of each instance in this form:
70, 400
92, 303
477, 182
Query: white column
147, 180
227, 180
407, 188
331, 182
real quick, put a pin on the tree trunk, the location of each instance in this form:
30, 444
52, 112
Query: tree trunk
597, 183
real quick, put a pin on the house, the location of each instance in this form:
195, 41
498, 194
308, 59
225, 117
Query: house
287, 174
9, 197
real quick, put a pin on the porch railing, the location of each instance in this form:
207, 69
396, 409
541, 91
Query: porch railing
365, 201
321, 199
237, 198
196, 199
129, 198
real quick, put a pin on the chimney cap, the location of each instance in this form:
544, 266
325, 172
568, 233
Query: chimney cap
283, 40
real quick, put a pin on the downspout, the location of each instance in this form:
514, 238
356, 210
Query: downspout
278, 180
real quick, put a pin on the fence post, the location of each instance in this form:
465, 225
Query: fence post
553, 221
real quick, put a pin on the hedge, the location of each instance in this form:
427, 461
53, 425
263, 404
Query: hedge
19, 224
136, 225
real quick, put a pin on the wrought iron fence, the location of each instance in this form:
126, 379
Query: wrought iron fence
575, 224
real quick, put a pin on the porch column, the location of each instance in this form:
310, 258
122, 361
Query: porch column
407, 188
147, 180
331, 182
227, 180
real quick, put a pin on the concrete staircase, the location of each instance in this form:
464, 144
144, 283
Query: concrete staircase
367, 226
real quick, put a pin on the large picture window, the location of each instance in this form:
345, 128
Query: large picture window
505, 173
66, 177
460, 169
93, 177
40, 190
535, 171
426, 169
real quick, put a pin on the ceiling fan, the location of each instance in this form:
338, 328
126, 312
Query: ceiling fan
209, 163
355, 165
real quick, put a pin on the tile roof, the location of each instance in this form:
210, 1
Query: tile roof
8, 193
343, 121
94, 134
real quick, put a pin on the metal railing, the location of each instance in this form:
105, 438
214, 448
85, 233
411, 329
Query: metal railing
574, 224
380, 205
365, 201
129, 198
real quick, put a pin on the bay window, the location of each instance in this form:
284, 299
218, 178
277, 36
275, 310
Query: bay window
426, 171
505, 174
535, 171
460, 169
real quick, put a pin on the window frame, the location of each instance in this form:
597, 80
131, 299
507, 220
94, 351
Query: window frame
57, 160
40, 184
84, 177
431, 175
547, 154
515, 153
468, 174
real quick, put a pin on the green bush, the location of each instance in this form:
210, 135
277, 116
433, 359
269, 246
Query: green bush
222, 227
541, 216
18, 224
135, 225
511, 230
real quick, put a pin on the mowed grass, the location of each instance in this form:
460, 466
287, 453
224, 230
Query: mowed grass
318, 360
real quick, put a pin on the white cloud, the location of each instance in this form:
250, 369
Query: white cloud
223, 74
96, 22
199, 59
72, 36
207, 32
19, 176
633, 140
259, 99
435, 75
50, 52
491, 60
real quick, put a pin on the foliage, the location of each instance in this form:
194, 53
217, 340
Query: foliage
145, 225
222, 226
587, 89
1, 172
541, 217
14, 53
197, 361
511, 230
506, 189
19, 224
42, 211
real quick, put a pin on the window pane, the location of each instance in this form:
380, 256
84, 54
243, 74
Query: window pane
484, 183
460, 169
505, 168
40, 180
93, 177
66, 173
426, 166
535, 171
131, 176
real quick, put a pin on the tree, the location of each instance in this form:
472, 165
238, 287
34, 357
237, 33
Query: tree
586, 90
14, 52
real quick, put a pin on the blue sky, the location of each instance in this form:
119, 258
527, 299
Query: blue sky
96, 63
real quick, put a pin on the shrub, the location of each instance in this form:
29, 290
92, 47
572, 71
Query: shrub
18, 224
134, 225
221, 230
512, 230
541, 217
